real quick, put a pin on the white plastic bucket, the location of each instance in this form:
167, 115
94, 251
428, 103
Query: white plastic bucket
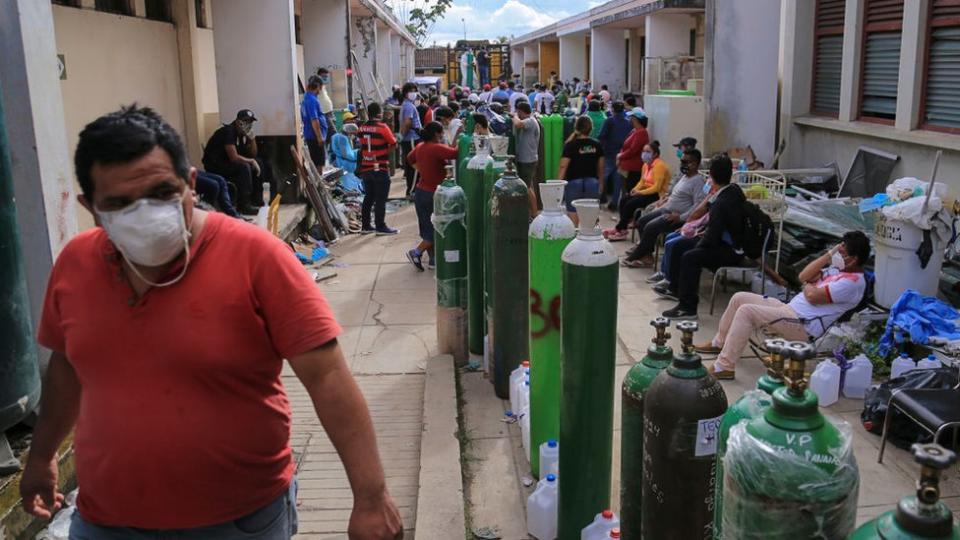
897, 265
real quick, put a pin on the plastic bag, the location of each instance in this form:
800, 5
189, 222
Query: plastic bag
771, 494
920, 317
449, 207
903, 432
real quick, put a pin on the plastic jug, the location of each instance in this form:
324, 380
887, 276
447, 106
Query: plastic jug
901, 365
614, 533
549, 458
930, 362
525, 417
516, 378
542, 509
825, 383
859, 376
603, 524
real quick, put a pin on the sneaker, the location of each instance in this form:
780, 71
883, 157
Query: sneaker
415, 259
707, 348
722, 374
386, 231
665, 292
367, 230
662, 283
432, 264
679, 314
656, 278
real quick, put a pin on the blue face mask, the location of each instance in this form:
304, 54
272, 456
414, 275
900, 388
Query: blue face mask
679, 153
706, 187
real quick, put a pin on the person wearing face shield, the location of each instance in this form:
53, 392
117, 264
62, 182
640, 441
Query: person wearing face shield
168, 327
326, 104
833, 284
231, 152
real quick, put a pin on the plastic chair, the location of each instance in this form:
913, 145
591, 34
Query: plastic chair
756, 265
933, 409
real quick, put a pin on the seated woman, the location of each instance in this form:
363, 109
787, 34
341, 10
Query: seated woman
653, 184
581, 166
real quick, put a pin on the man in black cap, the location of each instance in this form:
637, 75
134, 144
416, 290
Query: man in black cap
231, 152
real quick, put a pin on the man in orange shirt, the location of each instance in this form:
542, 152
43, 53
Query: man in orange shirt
168, 366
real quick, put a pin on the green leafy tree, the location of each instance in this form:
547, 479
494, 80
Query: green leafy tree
420, 16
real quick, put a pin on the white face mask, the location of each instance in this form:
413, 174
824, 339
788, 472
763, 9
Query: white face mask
412, 96
149, 232
836, 260
647, 157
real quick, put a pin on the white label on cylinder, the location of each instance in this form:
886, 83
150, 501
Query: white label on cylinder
707, 433
451, 256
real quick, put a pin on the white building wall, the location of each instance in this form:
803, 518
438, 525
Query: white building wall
531, 64
573, 56
325, 43
395, 55
384, 63
517, 59
363, 42
608, 58
668, 34
256, 62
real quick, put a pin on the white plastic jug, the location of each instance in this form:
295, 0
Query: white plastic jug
858, 378
525, 417
825, 383
901, 365
516, 378
542, 510
614, 533
930, 362
549, 458
602, 525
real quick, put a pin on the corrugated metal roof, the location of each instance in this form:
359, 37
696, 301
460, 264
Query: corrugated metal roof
430, 57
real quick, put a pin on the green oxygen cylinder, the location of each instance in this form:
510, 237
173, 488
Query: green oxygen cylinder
751, 405
490, 176
469, 124
472, 182
790, 473
681, 416
921, 516
550, 233
635, 385
510, 217
450, 246
588, 340
465, 151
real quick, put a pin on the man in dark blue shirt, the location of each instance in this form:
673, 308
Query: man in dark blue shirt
314, 122
231, 152
614, 132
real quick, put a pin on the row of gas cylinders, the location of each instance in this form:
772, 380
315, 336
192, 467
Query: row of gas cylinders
770, 466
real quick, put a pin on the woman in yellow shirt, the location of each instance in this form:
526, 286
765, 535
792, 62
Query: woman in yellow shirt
653, 184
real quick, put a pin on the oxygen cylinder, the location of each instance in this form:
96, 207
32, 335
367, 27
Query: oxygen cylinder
490, 176
466, 149
588, 337
550, 233
790, 473
922, 515
472, 181
510, 217
450, 243
635, 385
681, 416
750, 405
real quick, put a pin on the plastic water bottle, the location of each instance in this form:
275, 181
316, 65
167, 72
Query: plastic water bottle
542, 510
266, 194
525, 417
603, 524
549, 458
825, 383
516, 378
930, 362
901, 365
614, 533
859, 377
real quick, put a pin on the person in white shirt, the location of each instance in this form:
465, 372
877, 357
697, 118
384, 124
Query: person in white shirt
485, 95
543, 101
516, 96
834, 284
452, 126
326, 104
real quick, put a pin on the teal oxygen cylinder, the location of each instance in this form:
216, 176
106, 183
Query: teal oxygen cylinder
588, 339
751, 405
550, 233
790, 473
509, 221
450, 246
922, 516
472, 181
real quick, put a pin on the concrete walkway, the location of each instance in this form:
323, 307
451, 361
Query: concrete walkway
388, 311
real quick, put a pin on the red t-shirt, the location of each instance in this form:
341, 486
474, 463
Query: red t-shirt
430, 160
630, 154
184, 421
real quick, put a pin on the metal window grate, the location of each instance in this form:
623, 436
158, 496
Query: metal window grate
881, 73
158, 10
826, 89
120, 7
942, 99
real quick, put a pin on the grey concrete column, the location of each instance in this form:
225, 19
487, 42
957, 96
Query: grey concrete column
850, 65
796, 62
608, 58
912, 59
185, 21
666, 35
42, 172
326, 43
398, 76
573, 56
516, 60
384, 61
363, 39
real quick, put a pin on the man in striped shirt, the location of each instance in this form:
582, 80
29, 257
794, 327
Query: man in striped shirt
376, 143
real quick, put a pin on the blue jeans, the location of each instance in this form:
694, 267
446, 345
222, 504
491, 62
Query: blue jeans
668, 243
275, 521
580, 188
213, 188
423, 202
612, 178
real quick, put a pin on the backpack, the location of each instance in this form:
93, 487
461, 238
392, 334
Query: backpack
756, 226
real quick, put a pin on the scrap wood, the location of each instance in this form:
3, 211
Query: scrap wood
324, 274
310, 185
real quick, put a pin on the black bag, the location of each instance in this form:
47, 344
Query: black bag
756, 226
903, 431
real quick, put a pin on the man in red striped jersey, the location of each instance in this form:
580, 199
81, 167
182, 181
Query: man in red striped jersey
376, 143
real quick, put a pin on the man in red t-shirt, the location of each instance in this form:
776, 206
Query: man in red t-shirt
376, 143
169, 326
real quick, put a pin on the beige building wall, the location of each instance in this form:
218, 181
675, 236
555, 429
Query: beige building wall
101, 76
209, 106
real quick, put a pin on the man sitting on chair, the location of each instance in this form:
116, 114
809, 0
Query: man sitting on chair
833, 284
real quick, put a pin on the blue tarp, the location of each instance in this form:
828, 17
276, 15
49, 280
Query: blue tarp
920, 317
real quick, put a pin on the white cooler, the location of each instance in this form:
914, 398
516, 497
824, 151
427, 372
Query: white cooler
897, 265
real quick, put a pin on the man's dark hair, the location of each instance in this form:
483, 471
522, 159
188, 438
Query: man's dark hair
524, 106
323, 71
603, 87
631, 101
454, 106
124, 136
618, 106
431, 130
721, 169
314, 82
374, 109
443, 112
594, 105
433, 100
858, 245
511, 84
481, 120
643, 121
409, 87
694, 154
576, 79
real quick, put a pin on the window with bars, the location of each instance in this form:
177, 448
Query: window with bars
880, 66
828, 56
941, 88
68, 3
158, 10
120, 7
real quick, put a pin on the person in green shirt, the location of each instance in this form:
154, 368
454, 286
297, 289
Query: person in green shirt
597, 116
563, 98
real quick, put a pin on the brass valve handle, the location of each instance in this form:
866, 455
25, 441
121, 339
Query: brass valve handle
775, 364
661, 324
933, 459
687, 328
797, 352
